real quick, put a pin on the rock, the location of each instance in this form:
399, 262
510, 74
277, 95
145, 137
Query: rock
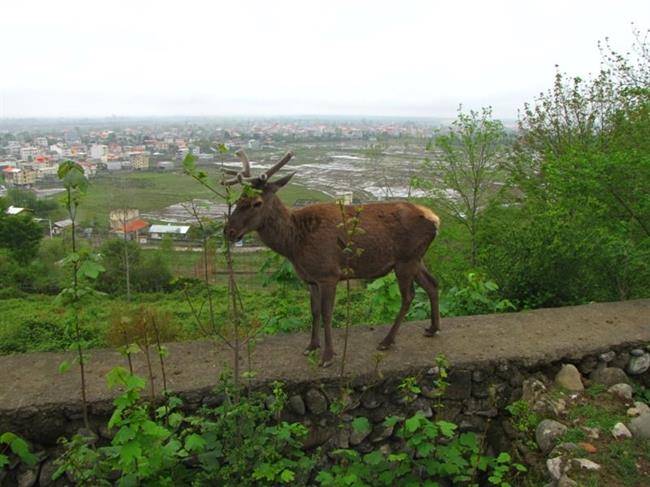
105, 432
316, 402
609, 376
27, 477
478, 375
620, 431
622, 391
381, 432
357, 436
637, 352
297, 405
566, 482
555, 467
47, 470
547, 433
342, 438
585, 464
371, 400
565, 447
639, 364
640, 426
460, 384
531, 390
569, 378
621, 360
593, 433
638, 409
588, 365
607, 357
588, 447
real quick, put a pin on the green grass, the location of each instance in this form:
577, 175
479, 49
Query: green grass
150, 191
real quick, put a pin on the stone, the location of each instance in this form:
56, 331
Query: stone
588, 365
371, 400
357, 436
381, 432
640, 426
637, 352
342, 438
639, 364
622, 391
585, 464
565, 481
621, 431
316, 402
47, 470
609, 376
460, 384
569, 378
531, 390
27, 477
478, 375
607, 357
555, 467
593, 433
565, 447
621, 360
105, 432
297, 405
638, 409
547, 433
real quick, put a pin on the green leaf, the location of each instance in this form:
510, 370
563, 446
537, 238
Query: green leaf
287, 476
412, 424
361, 424
504, 457
447, 428
130, 452
194, 443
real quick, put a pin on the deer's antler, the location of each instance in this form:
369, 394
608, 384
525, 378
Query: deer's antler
245, 174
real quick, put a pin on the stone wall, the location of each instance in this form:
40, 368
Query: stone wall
481, 383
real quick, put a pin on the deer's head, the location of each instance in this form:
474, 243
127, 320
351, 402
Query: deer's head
258, 199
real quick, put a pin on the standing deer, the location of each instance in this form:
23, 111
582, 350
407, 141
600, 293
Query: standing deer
395, 236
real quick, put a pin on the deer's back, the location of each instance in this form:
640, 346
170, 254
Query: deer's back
388, 233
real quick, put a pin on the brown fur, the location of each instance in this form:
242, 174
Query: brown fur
394, 236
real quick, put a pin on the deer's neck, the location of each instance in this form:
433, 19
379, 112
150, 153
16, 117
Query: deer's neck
277, 232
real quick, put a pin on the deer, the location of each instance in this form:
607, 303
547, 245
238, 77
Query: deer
394, 236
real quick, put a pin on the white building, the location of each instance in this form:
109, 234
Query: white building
99, 152
159, 231
27, 153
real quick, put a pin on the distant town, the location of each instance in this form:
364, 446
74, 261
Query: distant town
29, 158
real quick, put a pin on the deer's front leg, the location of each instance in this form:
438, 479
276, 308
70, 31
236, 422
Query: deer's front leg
327, 295
314, 343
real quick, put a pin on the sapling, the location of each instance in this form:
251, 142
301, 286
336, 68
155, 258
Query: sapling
84, 268
350, 226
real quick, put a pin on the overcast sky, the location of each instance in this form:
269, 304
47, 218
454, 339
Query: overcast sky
185, 57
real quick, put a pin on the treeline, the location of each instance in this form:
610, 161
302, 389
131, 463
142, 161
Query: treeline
561, 213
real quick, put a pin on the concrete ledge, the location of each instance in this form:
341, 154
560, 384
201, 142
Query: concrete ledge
33, 393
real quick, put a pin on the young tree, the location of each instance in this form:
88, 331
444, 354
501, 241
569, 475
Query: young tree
464, 165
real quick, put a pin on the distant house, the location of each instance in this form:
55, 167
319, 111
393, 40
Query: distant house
141, 161
60, 226
119, 217
134, 229
165, 165
15, 210
157, 232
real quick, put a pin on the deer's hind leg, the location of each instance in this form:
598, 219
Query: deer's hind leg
430, 285
405, 273
314, 343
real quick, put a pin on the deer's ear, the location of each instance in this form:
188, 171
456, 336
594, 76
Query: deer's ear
276, 185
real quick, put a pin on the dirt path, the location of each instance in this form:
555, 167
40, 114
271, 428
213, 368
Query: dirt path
543, 335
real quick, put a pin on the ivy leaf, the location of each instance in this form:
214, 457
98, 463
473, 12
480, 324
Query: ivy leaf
447, 428
90, 269
130, 452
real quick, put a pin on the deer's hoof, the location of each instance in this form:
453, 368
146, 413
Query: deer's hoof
431, 333
384, 345
327, 359
326, 363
